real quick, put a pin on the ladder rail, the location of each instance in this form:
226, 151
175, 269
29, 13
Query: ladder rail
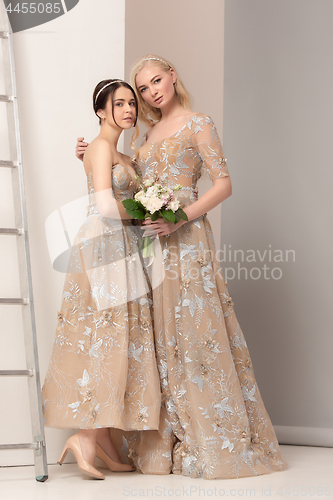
24, 261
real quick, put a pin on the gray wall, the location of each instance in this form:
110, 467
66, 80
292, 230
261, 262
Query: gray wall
278, 138
189, 33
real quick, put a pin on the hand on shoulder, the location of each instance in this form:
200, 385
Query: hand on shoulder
80, 148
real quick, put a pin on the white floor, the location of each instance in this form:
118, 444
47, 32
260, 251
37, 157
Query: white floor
310, 475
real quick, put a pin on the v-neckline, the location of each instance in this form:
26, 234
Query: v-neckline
170, 136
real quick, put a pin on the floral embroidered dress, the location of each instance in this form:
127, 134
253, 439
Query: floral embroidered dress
103, 371
216, 425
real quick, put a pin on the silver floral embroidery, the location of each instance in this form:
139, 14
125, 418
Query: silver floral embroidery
186, 283
101, 334
197, 319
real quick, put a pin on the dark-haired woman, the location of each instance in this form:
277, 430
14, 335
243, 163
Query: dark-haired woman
102, 373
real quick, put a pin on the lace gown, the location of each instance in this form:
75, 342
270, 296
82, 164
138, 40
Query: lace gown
103, 371
214, 423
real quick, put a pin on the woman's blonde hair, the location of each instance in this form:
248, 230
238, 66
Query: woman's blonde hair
146, 113
135, 135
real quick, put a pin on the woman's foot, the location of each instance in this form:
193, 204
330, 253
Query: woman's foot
104, 441
106, 452
87, 438
111, 464
73, 444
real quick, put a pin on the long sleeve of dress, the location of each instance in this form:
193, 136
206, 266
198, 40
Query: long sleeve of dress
208, 145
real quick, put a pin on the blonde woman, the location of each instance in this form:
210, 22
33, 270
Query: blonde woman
102, 371
220, 427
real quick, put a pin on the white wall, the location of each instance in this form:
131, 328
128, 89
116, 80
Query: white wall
58, 65
278, 135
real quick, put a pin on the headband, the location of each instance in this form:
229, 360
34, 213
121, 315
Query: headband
110, 83
157, 59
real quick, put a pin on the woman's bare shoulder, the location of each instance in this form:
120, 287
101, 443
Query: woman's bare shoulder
98, 145
97, 153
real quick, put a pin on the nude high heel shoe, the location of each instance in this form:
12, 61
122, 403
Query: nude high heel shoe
73, 445
111, 464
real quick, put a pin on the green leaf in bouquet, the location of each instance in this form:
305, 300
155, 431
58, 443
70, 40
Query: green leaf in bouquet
135, 214
155, 216
177, 217
169, 216
130, 204
180, 214
140, 206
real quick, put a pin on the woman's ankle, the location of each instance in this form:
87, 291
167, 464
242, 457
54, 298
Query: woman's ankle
87, 438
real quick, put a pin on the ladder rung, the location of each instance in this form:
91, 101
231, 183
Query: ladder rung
5, 163
17, 373
14, 301
9, 230
31, 446
6, 98
4, 34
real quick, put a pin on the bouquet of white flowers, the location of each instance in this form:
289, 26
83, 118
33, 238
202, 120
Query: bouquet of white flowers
154, 201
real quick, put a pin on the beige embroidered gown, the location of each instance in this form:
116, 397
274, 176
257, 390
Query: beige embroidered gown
103, 371
213, 423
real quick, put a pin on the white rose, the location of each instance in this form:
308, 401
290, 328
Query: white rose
154, 204
174, 205
140, 196
152, 191
148, 182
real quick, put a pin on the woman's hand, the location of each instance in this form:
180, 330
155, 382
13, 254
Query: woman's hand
80, 148
160, 228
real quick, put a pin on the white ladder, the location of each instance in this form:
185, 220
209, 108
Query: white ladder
21, 234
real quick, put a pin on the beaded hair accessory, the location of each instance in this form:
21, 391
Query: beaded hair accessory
156, 59
110, 83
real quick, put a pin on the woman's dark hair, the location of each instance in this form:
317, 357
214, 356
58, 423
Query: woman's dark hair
104, 95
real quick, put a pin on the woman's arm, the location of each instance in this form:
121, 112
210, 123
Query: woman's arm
220, 191
100, 160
